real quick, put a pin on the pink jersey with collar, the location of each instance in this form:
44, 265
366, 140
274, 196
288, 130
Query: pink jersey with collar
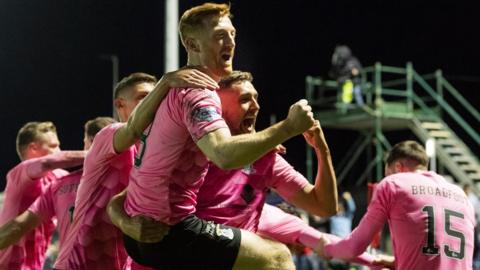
92, 242
236, 197
431, 222
169, 166
21, 191
58, 201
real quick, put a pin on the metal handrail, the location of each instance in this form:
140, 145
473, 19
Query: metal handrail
460, 99
448, 108
381, 88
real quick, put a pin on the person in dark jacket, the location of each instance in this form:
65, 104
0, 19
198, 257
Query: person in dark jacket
346, 70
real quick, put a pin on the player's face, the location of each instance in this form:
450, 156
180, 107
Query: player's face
46, 144
131, 99
240, 107
216, 41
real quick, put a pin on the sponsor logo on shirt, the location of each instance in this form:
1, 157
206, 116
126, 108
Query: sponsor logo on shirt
205, 114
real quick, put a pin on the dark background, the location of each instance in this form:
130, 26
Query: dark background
51, 69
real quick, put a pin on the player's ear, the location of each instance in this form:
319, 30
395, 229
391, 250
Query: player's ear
32, 148
119, 103
191, 44
398, 166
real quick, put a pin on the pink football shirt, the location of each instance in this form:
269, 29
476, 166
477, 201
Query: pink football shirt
236, 197
169, 167
431, 222
21, 191
58, 201
92, 242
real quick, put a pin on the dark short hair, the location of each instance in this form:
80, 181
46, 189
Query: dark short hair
234, 77
408, 150
132, 80
30, 132
92, 127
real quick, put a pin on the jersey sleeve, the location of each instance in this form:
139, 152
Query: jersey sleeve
102, 149
285, 179
372, 222
289, 229
202, 112
18, 177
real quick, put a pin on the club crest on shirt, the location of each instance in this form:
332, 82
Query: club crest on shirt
205, 114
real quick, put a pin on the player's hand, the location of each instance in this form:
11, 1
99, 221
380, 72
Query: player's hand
145, 229
280, 149
314, 135
300, 117
320, 248
382, 261
190, 77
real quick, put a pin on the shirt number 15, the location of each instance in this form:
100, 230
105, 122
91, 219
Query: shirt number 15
431, 248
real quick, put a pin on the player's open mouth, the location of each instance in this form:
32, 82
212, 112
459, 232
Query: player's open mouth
248, 124
226, 57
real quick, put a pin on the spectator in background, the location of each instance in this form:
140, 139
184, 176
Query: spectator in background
346, 70
341, 224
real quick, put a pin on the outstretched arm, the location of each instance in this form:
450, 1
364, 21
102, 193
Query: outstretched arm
286, 228
12, 231
144, 113
322, 198
38, 167
372, 222
229, 152
142, 229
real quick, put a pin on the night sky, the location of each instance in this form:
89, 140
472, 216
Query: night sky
51, 69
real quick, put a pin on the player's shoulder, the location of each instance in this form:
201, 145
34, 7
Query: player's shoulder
104, 137
197, 93
107, 130
16, 169
19, 171
72, 178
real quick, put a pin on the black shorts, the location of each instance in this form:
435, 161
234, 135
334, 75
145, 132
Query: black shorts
190, 244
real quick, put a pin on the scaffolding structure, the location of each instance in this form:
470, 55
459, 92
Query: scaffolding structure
398, 98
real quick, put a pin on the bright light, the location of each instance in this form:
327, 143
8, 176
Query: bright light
430, 147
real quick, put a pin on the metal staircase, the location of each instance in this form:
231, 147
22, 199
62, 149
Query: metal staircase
406, 103
451, 151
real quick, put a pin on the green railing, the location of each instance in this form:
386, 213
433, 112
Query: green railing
378, 85
382, 84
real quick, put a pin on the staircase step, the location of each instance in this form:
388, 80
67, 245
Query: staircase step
447, 143
462, 159
455, 151
432, 125
440, 133
475, 177
470, 168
